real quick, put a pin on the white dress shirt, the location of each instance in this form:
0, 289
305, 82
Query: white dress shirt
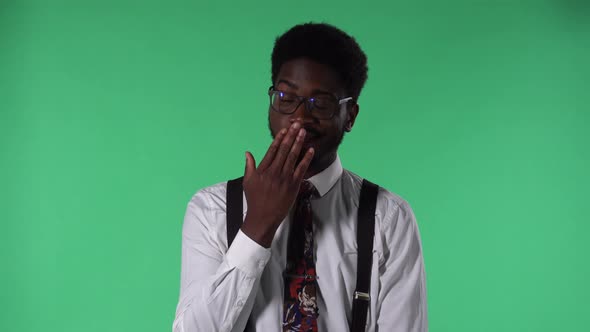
220, 287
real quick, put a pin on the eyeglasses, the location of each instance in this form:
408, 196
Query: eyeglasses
323, 107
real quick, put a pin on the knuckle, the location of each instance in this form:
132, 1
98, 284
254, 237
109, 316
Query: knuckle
270, 173
292, 155
284, 148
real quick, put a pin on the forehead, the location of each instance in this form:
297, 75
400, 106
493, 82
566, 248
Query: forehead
306, 75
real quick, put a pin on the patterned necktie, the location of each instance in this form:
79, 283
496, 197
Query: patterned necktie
300, 309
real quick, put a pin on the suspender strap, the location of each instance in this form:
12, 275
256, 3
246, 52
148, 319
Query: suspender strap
235, 209
364, 237
235, 216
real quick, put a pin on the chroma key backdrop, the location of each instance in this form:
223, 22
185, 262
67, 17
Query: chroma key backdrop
114, 113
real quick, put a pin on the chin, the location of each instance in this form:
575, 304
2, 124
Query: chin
317, 153
307, 145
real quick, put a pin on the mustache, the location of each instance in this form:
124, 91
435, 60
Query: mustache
311, 130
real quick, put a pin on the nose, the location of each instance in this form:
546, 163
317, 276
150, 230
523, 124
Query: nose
302, 112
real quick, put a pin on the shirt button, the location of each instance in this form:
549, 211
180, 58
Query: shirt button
240, 303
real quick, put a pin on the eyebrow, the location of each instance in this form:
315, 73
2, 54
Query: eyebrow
314, 91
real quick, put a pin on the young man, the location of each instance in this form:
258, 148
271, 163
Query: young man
292, 265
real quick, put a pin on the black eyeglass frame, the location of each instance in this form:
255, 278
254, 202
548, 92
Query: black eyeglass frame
309, 103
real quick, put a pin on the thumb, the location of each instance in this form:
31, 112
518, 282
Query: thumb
250, 165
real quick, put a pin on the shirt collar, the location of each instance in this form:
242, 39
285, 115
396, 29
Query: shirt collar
325, 180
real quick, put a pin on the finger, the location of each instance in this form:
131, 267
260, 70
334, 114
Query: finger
285, 147
294, 154
250, 165
272, 149
303, 165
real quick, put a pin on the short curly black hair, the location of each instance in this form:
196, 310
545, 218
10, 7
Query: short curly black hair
325, 44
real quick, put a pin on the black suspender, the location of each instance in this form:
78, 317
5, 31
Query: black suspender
235, 216
364, 239
365, 233
235, 209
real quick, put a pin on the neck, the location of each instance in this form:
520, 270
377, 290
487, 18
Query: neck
319, 164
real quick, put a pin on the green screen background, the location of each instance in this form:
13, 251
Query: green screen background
113, 113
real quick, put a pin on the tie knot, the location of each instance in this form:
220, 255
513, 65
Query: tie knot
307, 190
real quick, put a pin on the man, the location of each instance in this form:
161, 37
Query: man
292, 266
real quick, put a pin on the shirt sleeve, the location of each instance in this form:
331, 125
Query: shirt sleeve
402, 296
218, 284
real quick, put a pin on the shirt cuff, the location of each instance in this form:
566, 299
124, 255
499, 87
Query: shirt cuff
247, 255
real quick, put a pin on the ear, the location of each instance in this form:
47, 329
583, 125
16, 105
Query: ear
351, 117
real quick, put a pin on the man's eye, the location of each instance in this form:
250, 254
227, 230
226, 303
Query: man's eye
323, 103
287, 99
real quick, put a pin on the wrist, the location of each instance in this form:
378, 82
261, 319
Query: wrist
259, 231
